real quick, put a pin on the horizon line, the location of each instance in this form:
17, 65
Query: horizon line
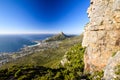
36, 33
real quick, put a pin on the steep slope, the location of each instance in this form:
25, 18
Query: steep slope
57, 37
102, 34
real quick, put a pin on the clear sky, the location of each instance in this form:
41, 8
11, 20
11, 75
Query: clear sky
43, 16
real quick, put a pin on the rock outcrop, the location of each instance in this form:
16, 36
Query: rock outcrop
102, 33
110, 69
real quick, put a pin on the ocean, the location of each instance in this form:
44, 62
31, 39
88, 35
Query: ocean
13, 43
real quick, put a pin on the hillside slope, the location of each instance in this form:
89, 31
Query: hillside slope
49, 57
35, 66
46, 65
57, 37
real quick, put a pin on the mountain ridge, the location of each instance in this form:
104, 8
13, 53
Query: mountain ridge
57, 37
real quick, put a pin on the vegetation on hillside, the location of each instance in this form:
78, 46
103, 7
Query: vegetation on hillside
75, 65
49, 58
45, 65
70, 71
117, 72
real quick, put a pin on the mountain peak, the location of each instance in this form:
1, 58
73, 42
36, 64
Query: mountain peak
62, 33
57, 37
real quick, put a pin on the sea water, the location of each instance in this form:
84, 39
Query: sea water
13, 43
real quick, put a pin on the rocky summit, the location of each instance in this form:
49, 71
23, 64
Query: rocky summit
102, 33
57, 37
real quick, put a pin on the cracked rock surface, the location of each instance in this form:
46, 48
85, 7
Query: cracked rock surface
102, 33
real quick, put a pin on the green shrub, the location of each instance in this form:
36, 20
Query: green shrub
117, 72
75, 57
23, 77
96, 75
114, 53
75, 67
18, 73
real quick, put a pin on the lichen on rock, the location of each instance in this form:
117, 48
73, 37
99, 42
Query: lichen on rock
110, 69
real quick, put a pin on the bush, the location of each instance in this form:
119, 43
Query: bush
23, 77
114, 53
117, 72
95, 75
18, 73
75, 65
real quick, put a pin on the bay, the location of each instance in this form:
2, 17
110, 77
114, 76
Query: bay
13, 43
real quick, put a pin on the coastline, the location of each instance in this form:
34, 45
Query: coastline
9, 56
41, 45
27, 50
37, 44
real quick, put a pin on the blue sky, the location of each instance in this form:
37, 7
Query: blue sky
43, 16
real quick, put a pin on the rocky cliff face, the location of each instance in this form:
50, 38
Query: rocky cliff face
102, 34
110, 69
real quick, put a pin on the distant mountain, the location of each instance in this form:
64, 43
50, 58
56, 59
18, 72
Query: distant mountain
57, 37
